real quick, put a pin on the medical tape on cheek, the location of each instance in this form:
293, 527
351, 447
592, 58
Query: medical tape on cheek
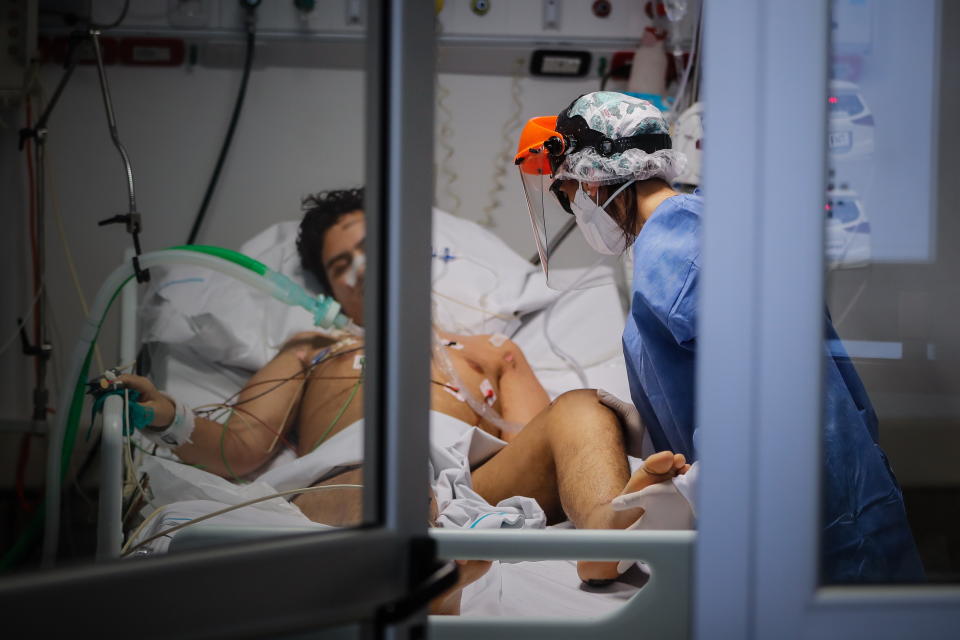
179, 431
358, 361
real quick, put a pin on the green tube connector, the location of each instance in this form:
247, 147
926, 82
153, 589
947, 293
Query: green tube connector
325, 310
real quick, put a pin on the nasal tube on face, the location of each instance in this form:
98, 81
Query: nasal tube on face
353, 273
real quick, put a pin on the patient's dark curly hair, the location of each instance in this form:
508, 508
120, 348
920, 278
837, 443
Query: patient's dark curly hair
322, 211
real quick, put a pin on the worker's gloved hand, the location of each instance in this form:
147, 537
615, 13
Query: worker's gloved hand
163, 406
633, 429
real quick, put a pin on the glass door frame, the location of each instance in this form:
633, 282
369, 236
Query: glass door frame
760, 352
309, 581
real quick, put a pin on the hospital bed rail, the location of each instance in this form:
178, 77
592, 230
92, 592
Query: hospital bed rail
661, 608
110, 498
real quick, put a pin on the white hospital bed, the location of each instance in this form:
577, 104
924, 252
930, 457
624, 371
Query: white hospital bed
209, 334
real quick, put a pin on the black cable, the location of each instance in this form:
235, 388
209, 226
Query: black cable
238, 105
623, 68
280, 382
115, 23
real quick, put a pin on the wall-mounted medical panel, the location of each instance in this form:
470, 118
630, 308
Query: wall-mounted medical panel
544, 18
153, 14
326, 16
534, 19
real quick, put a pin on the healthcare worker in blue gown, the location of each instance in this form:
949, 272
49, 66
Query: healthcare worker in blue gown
607, 160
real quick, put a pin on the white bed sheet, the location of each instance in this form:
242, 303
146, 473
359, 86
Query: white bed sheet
546, 588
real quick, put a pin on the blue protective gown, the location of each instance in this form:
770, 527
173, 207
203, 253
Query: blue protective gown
866, 537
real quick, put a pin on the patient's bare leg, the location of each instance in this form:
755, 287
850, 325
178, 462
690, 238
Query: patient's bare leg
571, 459
342, 507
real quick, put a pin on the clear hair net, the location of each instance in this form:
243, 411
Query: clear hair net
617, 115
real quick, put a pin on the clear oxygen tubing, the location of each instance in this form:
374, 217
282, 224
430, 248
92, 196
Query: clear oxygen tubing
479, 407
560, 353
575, 366
63, 431
678, 106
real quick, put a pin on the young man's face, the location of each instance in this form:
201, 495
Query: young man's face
344, 261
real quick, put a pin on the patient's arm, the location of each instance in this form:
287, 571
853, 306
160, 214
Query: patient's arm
263, 413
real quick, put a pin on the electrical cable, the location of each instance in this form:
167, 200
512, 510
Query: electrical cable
575, 366
244, 412
128, 548
504, 157
343, 409
128, 456
278, 434
54, 354
85, 466
493, 314
116, 22
623, 68
223, 455
68, 254
283, 381
483, 410
21, 324
32, 229
21, 471
678, 105
563, 355
851, 304
231, 128
443, 139
286, 414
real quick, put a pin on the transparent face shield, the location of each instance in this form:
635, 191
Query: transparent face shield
568, 262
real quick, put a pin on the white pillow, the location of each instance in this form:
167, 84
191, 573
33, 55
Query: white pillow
221, 319
481, 286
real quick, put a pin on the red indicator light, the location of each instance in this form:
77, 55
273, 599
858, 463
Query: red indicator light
832, 99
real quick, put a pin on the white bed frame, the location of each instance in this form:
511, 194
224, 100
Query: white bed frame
661, 608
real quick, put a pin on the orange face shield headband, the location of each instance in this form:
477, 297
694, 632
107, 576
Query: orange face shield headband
541, 148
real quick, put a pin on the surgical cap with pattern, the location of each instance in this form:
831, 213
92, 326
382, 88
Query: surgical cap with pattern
617, 115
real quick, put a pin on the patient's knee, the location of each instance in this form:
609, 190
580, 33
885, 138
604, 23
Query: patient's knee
583, 407
581, 411
577, 401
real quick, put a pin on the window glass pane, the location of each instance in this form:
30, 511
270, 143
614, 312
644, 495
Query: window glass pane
230, 121
529, 321
890, 245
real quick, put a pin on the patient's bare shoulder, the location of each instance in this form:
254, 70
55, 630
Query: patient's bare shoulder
310, 340
493, 352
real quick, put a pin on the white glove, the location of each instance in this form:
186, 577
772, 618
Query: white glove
633, 429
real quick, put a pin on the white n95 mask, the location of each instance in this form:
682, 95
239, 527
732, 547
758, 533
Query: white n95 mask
599, 229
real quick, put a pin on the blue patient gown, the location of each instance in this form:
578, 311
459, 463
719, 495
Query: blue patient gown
866, 537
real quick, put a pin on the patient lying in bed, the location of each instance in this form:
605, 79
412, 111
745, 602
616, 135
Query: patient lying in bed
569, 455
